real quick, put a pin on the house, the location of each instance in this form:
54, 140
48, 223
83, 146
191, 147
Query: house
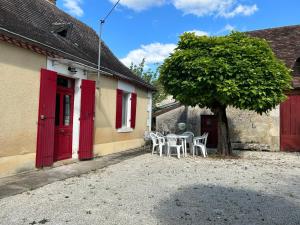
277, 130
51, 109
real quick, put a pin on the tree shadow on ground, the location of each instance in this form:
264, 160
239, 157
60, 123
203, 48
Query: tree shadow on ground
209, 204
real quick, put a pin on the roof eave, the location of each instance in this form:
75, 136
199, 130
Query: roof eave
57, 53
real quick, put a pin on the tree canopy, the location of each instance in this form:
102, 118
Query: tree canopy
234, 70
150, 76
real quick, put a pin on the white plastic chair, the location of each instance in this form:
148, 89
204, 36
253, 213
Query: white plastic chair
172, 140
157, 142
159, 134
189, 140
189, 133
200, 142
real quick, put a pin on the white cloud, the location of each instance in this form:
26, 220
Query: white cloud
242, 10
139, 5
153, 53
221, 8
73, 7
199, 32
228, 28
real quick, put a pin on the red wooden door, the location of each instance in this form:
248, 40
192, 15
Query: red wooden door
87, 113
290, 124
209, 123
64, 118
46, 117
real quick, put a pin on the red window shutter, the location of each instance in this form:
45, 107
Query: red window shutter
119, 109
87, 112
46, 119
133, 110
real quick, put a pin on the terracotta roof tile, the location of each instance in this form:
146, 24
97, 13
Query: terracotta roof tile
285, 42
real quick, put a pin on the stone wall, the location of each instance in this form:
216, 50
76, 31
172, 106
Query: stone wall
248, 130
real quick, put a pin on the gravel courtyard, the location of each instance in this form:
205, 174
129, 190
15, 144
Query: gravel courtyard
260, 188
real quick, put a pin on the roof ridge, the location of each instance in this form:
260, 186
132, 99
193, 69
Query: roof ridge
275, 28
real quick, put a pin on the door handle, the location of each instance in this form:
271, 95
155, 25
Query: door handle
43, 117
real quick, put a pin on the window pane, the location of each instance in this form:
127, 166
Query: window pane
67, 110
57, 109
124, 109
63, 82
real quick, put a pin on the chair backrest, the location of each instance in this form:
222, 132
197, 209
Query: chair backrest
191, 136
159, 134
201, 139
189, 133
172, 139
205, 140
153, 137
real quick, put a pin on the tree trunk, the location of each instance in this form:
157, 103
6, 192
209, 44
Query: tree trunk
224, 144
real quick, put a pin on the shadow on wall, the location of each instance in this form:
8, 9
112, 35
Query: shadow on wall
183, 117
209, 204
168, 122
234, 132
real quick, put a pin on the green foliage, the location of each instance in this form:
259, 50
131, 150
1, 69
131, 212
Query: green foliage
139, 70
234, 70
151, 77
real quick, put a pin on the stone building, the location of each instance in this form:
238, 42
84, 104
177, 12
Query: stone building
275, 131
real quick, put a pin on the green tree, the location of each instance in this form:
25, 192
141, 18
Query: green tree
139, 70
216, 72
150, 76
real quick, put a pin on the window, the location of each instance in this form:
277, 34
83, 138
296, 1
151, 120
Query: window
125, 111
64, 82
297, 68
62, 29
67, 110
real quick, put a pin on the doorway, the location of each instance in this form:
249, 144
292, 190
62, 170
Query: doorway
209, 124
290, 124
64, 118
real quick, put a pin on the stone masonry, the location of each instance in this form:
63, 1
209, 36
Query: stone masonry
248, 130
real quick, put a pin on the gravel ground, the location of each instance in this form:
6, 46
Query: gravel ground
260, 188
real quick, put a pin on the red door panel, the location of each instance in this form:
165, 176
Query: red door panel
290, 124
46, 119
64, 118
63, 145
87, 112
209, 123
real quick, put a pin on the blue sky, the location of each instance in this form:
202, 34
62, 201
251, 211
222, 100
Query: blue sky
150, 28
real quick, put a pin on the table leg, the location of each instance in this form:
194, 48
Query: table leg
182, 144
185, 148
